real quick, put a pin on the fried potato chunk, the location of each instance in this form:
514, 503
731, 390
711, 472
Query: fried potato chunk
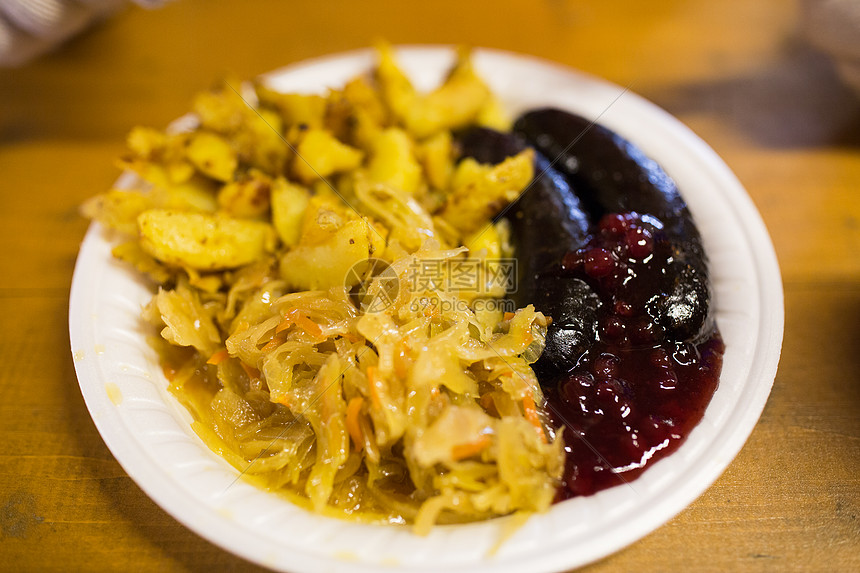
118, 209
131, 253
327, 263
295, 109
248, 197
454, 104
320, 154
396, 90
480, 191
493, 115
256, 134
437, 157
392, 161
203, 242
356, 114
212, 155
289, 203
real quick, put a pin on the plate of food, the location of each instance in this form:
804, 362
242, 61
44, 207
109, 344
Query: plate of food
424, 309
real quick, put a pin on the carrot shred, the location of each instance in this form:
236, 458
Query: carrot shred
309, 326
250, 371
353, 409
530, 410
276, 341
509, 315
218, 357
463, 451
372, 381
294, 316
284, 324
283, 400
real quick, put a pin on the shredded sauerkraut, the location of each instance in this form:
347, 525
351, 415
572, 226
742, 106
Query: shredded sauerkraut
306, 310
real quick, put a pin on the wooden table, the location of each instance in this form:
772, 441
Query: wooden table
734, 71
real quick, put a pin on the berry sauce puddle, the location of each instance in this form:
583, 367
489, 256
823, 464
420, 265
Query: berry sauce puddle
636, 394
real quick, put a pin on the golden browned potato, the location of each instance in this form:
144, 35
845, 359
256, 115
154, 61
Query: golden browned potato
247, 197
197, 192
260, 142
487, 240
362, 96
392, 161
212, 155
222, 110
161, 160
453, 105
323, 215
148, 143
356, 114
480, 191
395, 88
133, 254
201, 241
289, 203
493, 115
118, 209
168, 151
256, 134
295, 109
436, 154
320, 155
326, 264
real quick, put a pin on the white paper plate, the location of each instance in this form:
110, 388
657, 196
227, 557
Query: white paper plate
148, 431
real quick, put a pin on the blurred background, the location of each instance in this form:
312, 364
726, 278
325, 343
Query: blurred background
741, 74
768, 84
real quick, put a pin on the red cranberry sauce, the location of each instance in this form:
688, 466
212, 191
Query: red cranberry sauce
636, 394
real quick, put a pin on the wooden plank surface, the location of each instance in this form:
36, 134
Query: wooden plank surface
736, 72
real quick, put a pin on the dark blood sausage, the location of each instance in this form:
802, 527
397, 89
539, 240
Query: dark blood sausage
612, 175
488, 146
607, 248
546, 221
